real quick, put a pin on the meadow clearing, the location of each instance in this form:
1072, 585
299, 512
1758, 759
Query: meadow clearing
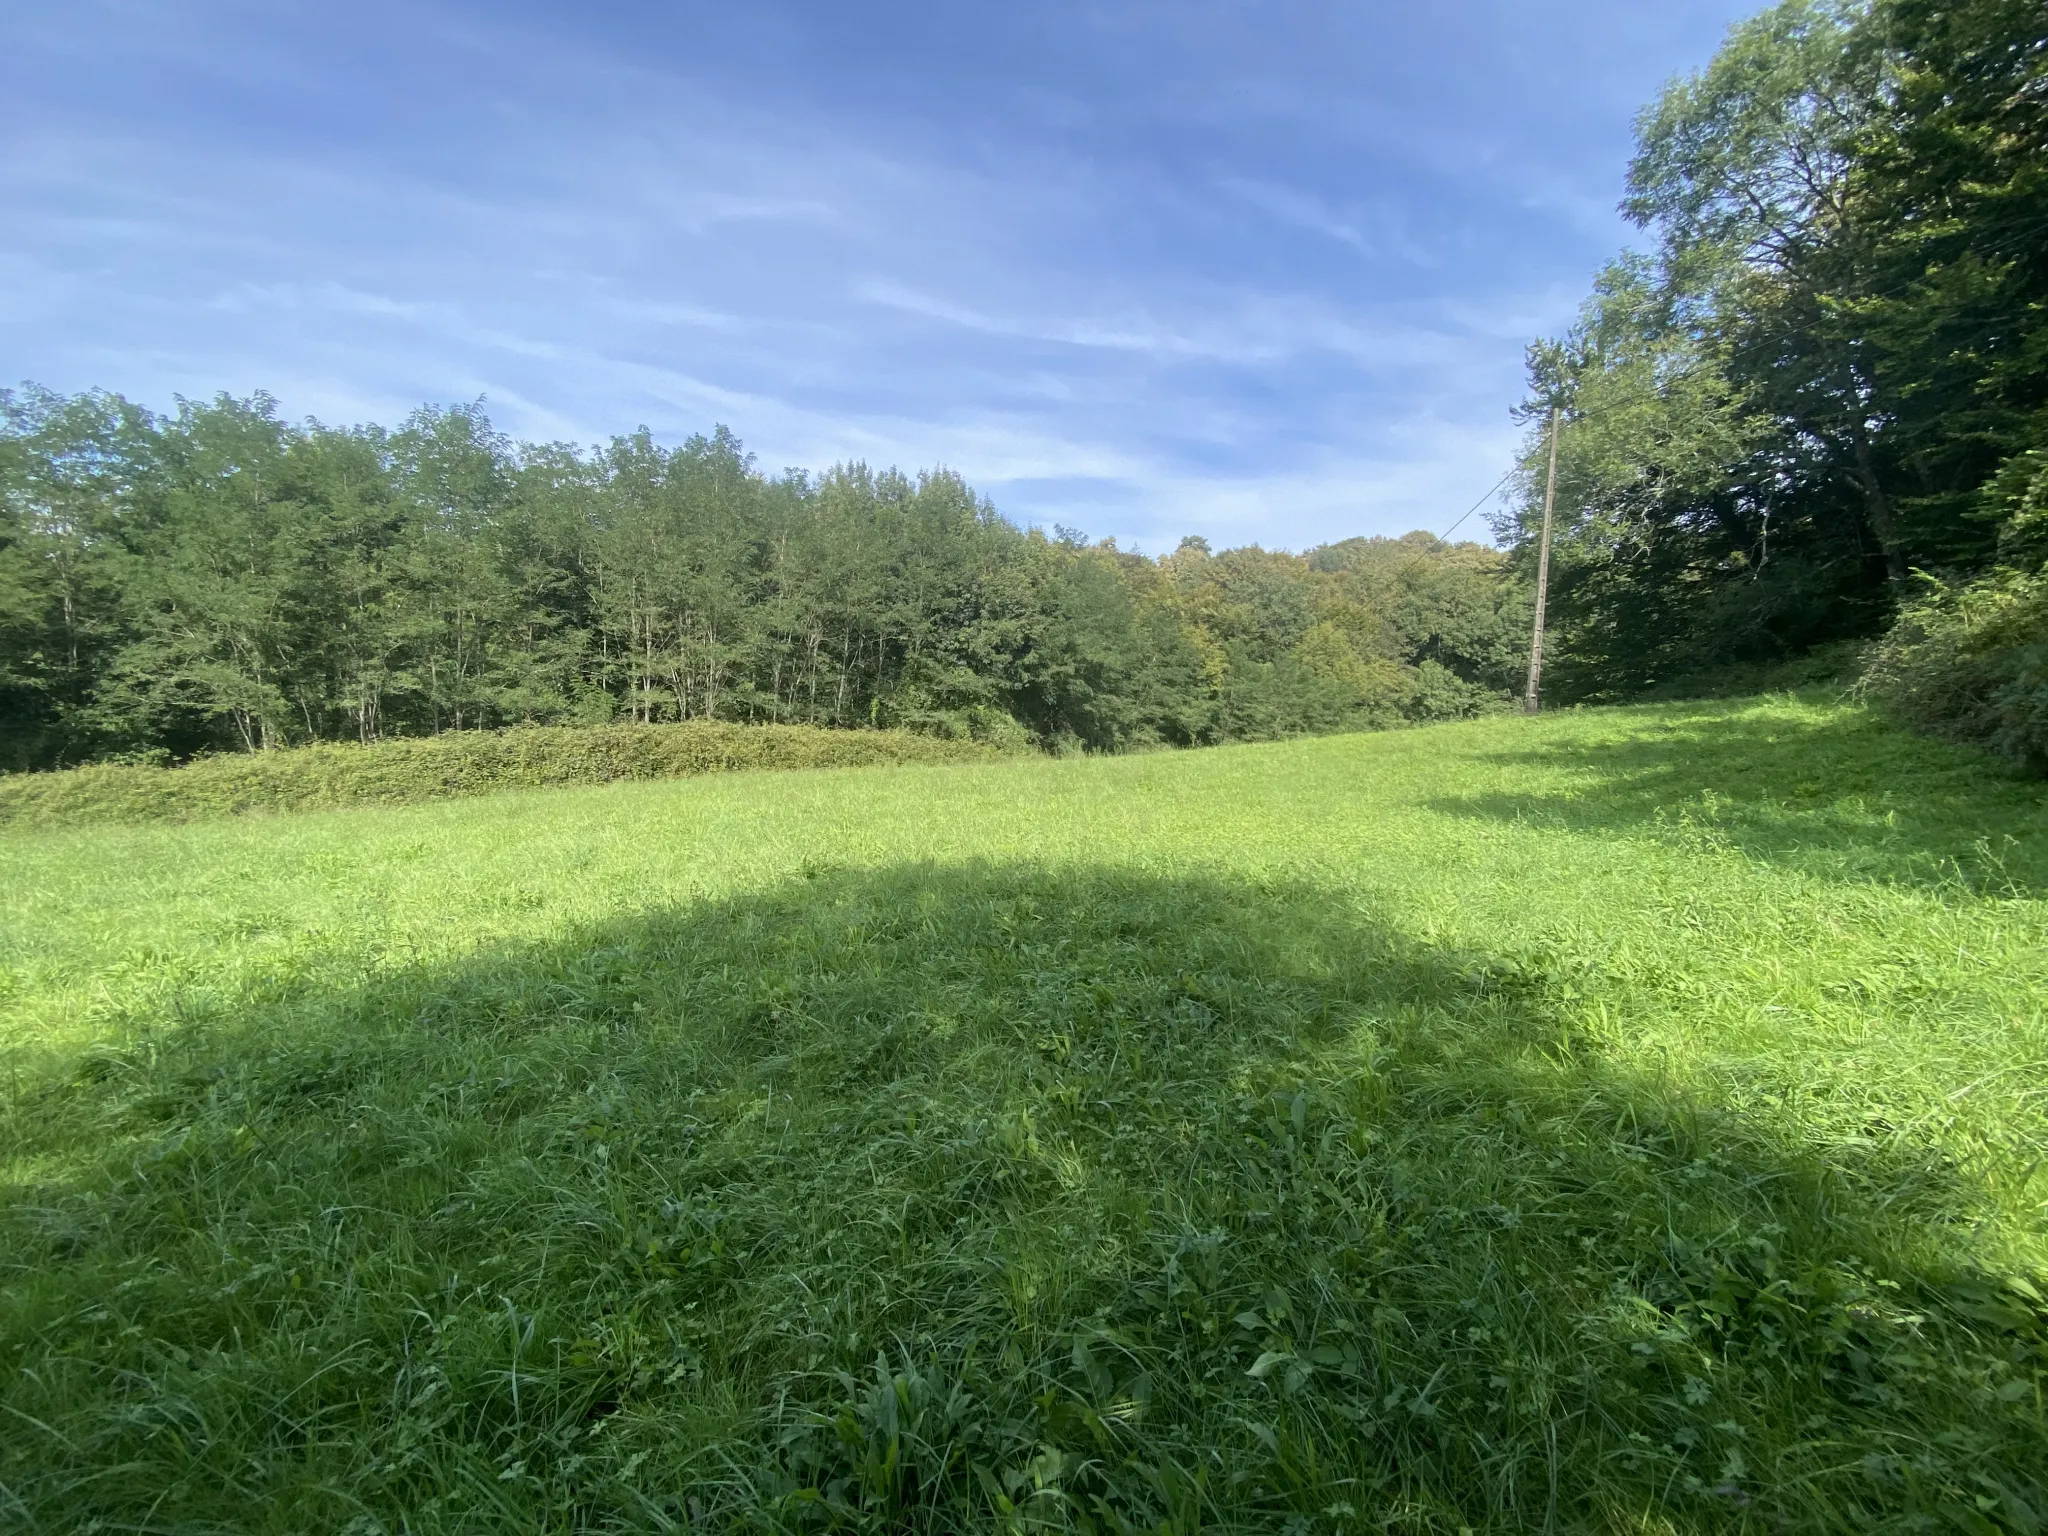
1627, 1120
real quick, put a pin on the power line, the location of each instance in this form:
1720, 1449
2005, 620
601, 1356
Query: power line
1445, 536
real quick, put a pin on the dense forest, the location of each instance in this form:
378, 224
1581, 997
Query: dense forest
1816, 407
221, 579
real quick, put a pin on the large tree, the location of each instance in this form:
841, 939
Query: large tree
1827, 373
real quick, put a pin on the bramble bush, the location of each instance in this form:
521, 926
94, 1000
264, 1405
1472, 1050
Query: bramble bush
444, 767
1970, 661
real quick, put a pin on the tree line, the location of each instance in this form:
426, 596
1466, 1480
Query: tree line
1815, 409
218, 579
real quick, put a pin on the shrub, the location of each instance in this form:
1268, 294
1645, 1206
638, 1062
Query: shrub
1830, 665
1440, 694
981, 723
1970, 662
443, 767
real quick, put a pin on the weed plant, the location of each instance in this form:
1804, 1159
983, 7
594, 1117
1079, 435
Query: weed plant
406, 772
1625, 1121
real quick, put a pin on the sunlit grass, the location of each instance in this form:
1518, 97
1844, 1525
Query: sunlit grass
1625, 1121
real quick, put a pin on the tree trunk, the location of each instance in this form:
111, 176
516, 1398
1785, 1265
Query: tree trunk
1877, 508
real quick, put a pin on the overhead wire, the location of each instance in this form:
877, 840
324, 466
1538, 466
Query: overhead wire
1445, 536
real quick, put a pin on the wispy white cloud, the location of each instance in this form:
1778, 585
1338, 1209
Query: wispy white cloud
1125, 269
1126, 333
1299, 209
1243, 327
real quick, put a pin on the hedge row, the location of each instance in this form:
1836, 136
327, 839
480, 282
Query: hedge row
443, 767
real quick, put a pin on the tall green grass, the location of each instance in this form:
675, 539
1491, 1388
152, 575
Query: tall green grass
1623, 1121
406, 772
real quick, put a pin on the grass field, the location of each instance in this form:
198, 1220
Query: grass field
1624, 1121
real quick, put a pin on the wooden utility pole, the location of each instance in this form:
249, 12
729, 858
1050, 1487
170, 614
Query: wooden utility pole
1532, 700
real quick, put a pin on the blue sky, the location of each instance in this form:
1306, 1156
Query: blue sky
1258, 272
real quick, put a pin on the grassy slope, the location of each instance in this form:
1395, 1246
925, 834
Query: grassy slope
1628, 1120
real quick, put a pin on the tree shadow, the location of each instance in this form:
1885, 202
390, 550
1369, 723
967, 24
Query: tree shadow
1841, 795
983, 1197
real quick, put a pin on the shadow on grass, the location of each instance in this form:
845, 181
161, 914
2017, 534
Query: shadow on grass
1837, 793
936, 1199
